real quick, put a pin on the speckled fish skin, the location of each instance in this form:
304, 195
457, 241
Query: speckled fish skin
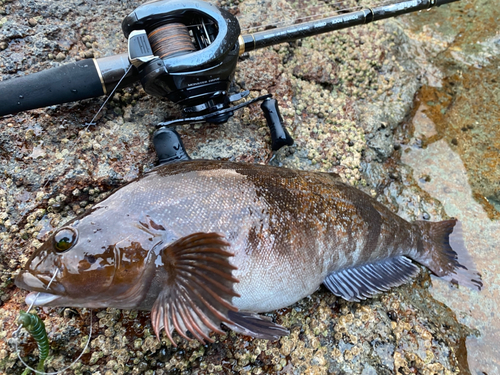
288, 230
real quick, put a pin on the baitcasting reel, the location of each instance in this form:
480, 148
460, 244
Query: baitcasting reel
185, 51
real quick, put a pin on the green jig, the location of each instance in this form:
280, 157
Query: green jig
35, 326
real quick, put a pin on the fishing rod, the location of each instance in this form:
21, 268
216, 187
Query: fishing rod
185, 51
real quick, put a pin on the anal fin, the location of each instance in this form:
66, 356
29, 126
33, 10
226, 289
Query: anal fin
255, 325
359, 283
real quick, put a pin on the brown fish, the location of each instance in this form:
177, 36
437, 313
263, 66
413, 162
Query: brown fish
201, 243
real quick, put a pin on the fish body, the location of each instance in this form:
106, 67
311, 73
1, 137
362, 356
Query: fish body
205, 242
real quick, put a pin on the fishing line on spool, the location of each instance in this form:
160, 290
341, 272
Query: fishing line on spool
170, 40
15, 333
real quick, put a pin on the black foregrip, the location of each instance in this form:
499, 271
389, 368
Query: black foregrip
67, 83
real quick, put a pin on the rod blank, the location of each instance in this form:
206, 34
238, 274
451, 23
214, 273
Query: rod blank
290, 33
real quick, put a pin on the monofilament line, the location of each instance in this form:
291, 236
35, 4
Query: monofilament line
92, 122
15, 333
88, 124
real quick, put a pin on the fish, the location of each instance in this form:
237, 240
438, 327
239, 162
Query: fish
202, 243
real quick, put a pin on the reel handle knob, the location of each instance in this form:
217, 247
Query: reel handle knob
279, 135
168, 146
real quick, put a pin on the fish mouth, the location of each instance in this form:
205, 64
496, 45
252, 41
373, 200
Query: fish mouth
36, 285
40, 298
26, 280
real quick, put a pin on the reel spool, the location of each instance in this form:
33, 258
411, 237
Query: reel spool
171, 40
185, 51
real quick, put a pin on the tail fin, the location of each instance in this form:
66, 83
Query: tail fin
443, 252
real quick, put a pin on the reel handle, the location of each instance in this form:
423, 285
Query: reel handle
279, 135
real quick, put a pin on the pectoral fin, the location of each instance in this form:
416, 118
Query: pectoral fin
199, 287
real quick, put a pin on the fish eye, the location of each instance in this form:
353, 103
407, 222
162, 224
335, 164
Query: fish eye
64, 239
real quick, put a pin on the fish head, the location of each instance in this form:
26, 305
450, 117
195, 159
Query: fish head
91, 262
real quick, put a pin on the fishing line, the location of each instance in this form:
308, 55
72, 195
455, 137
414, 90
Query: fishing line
316, 16
65, 368
92, 122
34, 300
88, 124
15, 333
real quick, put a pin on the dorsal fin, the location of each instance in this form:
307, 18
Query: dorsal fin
199, 287
359, 283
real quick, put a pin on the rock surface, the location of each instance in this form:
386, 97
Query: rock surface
345, 97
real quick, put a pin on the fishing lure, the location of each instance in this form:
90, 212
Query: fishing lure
35, 326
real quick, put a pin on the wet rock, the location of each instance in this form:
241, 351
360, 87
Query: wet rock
342, 96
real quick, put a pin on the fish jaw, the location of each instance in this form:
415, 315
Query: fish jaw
41, 299
56, 295
38, 287
52, 300
26, 280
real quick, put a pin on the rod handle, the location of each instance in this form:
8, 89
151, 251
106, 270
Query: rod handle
79, 80
66, 83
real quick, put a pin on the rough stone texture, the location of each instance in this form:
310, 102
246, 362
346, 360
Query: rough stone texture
344, 97
459, 164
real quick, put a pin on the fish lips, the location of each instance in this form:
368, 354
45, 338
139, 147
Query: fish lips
39, 293
41, 299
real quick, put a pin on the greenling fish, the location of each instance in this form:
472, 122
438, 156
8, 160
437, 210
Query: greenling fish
200, 243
